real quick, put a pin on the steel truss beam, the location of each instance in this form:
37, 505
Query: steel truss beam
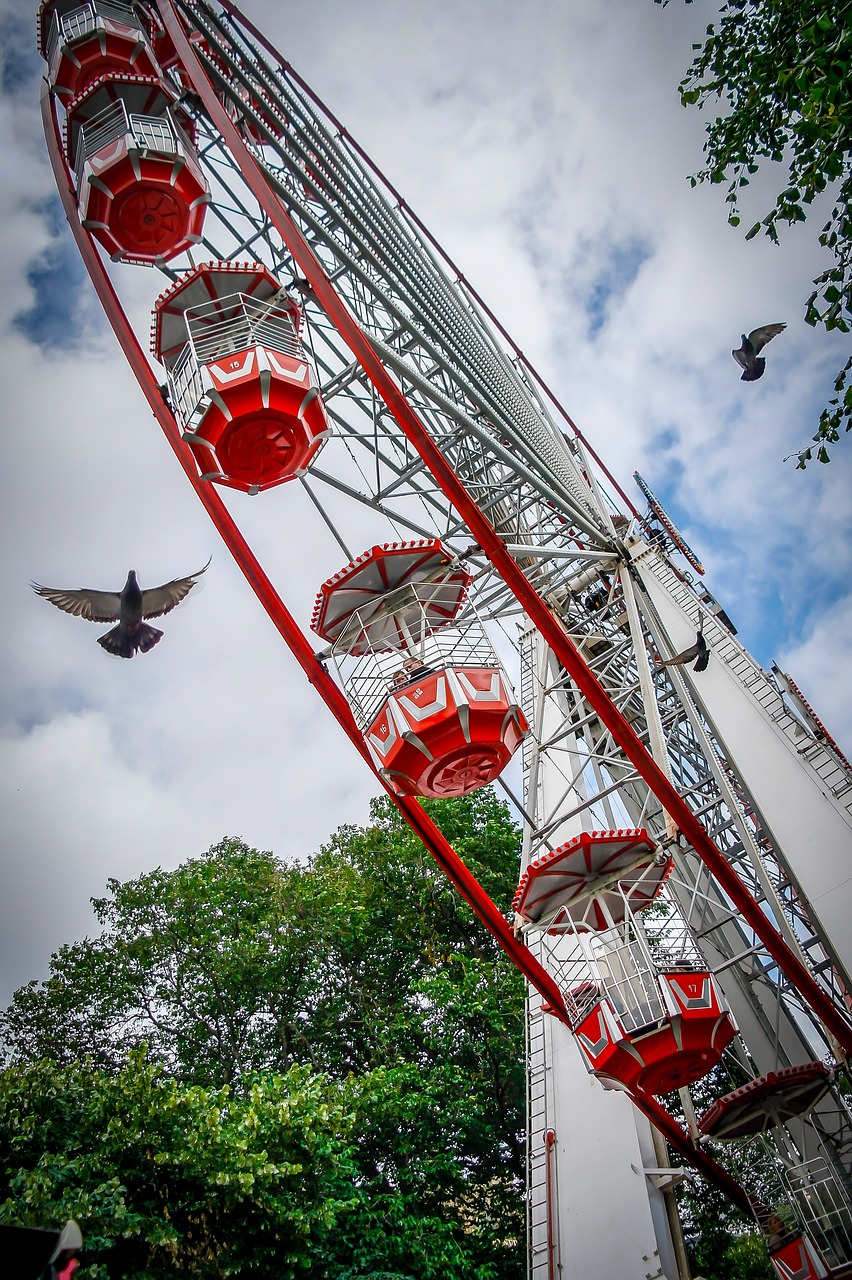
439, 431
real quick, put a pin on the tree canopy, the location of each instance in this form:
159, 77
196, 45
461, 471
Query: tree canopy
356, 992
779, 69
170, 1180
261, 1069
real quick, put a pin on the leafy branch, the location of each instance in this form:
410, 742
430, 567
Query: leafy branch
781, 67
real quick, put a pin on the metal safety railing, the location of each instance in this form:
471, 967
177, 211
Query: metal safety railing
368, 678
224, 326
160, 134
221, 328
68, 27
822, 1207
186, 385
629, 980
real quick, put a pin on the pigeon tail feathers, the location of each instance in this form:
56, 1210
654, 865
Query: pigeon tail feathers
147, 637
123, 644
755, 371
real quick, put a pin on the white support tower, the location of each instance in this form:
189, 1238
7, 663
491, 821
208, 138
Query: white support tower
440, 429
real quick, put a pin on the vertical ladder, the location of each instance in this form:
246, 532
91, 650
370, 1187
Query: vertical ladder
541, 1262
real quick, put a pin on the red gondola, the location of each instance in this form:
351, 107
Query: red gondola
598, 874
448, 733
672, 1051
238, 376
767, 1102
83, 42
431, 698
140, 190
366, 590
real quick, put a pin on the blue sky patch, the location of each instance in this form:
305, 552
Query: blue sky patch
54, 276
621, 264
19, 60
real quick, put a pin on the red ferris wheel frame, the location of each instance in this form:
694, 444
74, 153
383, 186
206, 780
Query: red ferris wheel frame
546, 622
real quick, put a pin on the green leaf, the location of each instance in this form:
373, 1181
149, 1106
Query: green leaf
333, 1082
777, 76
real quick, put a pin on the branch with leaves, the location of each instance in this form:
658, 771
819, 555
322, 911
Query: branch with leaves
781, 68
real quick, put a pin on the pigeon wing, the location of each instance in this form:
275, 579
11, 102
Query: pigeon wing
759, 337
94, 606
694, 651
681, 659
740, 357
160, 600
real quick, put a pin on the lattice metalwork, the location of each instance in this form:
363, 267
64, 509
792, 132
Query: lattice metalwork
594, 565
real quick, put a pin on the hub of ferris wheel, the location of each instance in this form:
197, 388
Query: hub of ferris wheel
503, 612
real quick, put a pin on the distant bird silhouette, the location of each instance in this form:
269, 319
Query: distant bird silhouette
747, 354
127, 607
698, 651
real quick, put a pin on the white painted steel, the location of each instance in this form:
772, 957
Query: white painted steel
608, 1218
809, 824
771, 795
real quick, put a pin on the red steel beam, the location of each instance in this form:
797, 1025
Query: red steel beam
454, 868
549, 625
697, 1157
446, 857
427, 235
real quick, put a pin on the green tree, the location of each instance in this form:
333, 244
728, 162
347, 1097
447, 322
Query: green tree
172, 1180
721, 1241
781, 68
209, 966
360, 964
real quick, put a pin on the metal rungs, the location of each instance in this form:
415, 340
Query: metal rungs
757, 683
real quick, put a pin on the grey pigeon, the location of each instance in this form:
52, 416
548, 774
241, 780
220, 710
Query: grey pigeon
747, 354
698, 651
127, 607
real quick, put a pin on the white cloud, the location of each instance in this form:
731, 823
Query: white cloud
818, 663
541, 145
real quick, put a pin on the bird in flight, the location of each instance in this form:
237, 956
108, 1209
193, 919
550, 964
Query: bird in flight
697, 651
748, 354
126, 607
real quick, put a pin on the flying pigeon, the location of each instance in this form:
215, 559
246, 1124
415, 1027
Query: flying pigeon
698, 651
127, 608
747, 354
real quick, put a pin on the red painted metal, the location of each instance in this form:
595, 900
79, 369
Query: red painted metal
111, 48
593, 878
427, 235
366, 583
680, 1141
440, 849
448, 732
670, 1054
539, 613
143, 203
797, 1259
766, 1102
257, 418
549, 1142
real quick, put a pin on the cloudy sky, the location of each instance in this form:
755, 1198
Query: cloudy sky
545, 147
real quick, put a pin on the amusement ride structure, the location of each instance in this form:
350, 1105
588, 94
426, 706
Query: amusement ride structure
683, 909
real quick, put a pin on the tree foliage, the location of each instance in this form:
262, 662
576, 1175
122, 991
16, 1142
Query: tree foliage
362, 970
781, 69
172, 1180
720, 1239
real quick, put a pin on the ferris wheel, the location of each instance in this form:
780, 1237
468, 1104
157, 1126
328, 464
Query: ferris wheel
497, 605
